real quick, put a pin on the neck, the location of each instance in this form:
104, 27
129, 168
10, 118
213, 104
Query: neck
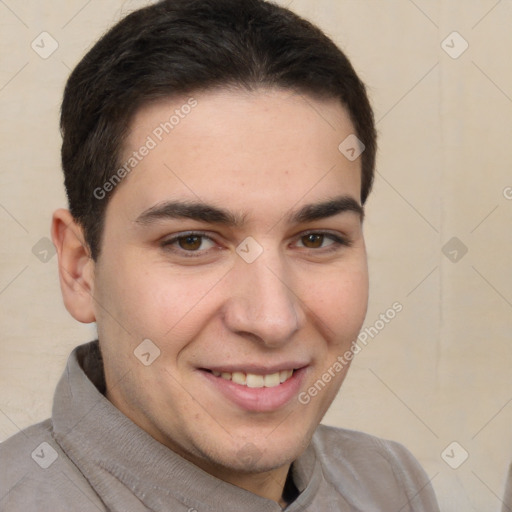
269, 484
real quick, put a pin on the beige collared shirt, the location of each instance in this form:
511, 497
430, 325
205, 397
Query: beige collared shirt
89, 457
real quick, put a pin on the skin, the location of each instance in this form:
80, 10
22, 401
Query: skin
261, 155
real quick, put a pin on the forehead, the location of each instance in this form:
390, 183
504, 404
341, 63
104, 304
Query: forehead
247, 150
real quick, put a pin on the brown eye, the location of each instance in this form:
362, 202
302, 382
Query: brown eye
190, 243
313, 241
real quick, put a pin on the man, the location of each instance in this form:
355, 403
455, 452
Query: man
217, 156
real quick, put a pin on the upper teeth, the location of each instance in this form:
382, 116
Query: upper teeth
252, 380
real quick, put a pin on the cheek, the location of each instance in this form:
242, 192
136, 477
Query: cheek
340, 303
156, 301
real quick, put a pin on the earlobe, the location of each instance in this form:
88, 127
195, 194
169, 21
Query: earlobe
76, 267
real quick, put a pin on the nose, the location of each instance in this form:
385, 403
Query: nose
262, 303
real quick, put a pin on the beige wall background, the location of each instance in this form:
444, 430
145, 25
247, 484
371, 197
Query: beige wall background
439, 372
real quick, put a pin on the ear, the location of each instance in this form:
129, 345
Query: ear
76, 267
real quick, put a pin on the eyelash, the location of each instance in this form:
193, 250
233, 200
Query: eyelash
167, 244
338, 241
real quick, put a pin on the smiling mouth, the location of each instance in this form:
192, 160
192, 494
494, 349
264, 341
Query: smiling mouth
258, 388
252, 380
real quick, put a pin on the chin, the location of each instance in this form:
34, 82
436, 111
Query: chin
258, 456
252, 460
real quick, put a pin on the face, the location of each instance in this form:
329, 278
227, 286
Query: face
236, 247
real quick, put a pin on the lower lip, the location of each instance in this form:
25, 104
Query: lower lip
258, 399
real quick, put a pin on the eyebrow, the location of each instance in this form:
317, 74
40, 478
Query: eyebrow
189, 210
214, 215
330, 208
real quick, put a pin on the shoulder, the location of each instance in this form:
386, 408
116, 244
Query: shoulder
507, 499
36, 475
356, 447
376, 465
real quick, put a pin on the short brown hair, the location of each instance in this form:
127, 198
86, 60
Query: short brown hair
179, 47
